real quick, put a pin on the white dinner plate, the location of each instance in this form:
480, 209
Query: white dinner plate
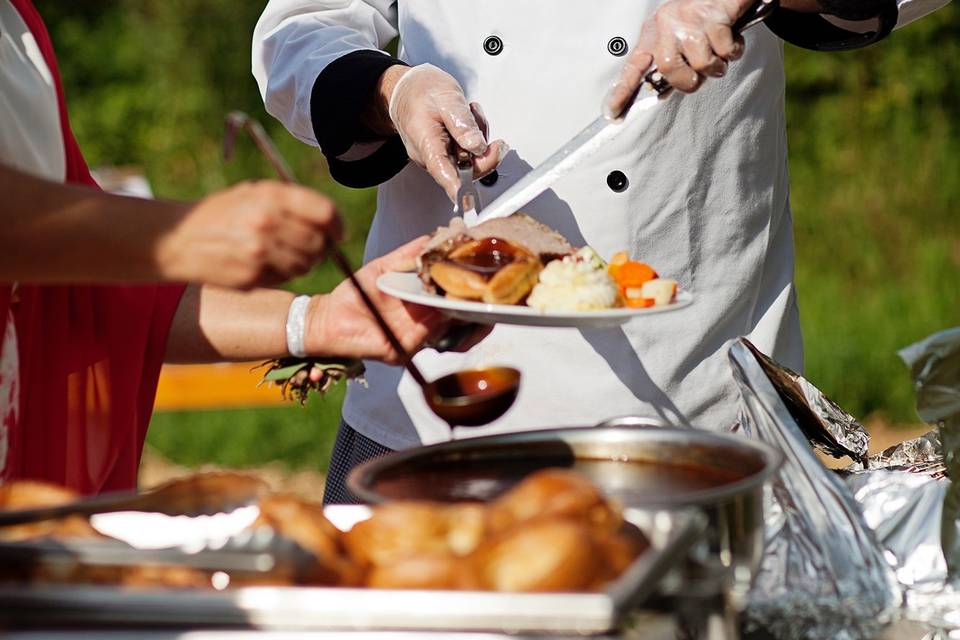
407, 286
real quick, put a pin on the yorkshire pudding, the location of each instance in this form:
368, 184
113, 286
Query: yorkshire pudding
304, 523
403, 529
497, 262
426, 571
492, 270
33, 494
552, 493
548, 554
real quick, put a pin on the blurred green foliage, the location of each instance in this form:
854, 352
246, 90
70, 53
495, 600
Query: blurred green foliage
300, 437
874, 162
874, 139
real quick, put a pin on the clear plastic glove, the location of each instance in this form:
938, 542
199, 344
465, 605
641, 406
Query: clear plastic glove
688, 40
430, 112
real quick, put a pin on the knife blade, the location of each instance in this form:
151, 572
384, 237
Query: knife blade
652, 92
589, 141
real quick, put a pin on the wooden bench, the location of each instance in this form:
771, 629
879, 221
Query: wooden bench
184, 387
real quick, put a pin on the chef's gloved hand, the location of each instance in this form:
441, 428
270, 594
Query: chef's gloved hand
430, 112
688, 40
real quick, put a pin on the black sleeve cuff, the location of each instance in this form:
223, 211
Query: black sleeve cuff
341, 93
813, 31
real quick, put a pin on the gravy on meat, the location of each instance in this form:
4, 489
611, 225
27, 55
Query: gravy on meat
487, 256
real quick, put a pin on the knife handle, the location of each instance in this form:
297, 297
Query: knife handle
464, 159
754, 15
757, 13
468, 198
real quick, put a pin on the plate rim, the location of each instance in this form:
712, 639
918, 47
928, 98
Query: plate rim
684, 299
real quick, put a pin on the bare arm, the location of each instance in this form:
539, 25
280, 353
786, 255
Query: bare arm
248, 235
54, 233
218, 325
213, 324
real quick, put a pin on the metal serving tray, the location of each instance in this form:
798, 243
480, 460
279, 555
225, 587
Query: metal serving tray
280, 608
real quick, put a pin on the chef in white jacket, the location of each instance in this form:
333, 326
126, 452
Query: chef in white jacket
700, 192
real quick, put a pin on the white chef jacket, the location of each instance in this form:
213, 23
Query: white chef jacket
30, 140
704, 200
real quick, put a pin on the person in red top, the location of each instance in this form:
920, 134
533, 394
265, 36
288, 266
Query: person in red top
79, 363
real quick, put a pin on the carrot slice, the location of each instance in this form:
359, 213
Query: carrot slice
634, 274
619, 259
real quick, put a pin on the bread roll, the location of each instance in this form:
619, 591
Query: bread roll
615, 552
425, 571
304, 523
552, 493
546, 554
402, 529
31, 494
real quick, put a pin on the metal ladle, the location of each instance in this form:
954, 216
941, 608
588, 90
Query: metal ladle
468, 398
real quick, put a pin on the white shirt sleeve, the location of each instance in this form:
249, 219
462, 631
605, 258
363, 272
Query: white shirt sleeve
295, 40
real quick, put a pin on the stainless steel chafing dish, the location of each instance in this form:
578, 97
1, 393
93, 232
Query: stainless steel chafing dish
324, 608
634, 460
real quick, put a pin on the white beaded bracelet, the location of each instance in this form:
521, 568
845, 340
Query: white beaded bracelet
297, 326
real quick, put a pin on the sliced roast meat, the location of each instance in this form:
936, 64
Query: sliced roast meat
521, 229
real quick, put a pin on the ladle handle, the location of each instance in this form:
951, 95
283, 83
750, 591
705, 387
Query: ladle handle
239, 120
341, 261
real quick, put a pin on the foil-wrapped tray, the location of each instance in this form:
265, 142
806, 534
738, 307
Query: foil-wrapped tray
279, 608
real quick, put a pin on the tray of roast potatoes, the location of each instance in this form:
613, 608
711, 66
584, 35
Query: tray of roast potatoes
550, 555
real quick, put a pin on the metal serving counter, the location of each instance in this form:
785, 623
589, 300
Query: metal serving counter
645, 627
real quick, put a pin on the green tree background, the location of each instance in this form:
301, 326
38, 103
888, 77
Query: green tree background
874, 164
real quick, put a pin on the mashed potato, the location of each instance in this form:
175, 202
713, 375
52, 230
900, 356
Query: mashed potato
576, 283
